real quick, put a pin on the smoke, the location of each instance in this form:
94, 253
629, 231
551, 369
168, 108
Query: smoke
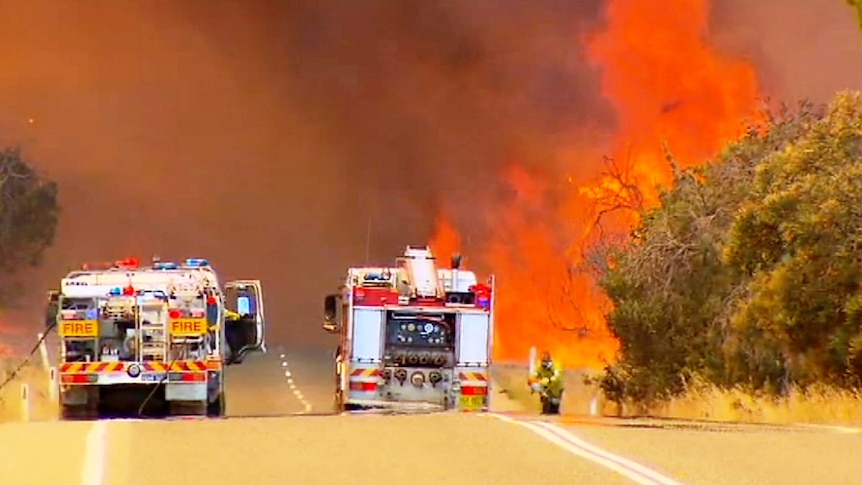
269, 136
266, 135
802, 48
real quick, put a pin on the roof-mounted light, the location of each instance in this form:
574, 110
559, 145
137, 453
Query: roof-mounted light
197, 262
128, 263
165, 265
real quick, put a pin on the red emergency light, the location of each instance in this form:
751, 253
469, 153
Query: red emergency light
129, 263
211, 300
129, 290
175, 314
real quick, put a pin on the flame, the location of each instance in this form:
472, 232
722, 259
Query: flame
446, 241
668, 85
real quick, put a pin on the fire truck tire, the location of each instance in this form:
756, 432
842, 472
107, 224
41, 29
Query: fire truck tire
183, 408
68, 413
216, 409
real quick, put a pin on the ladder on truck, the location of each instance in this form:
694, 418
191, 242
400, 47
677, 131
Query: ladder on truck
152, 321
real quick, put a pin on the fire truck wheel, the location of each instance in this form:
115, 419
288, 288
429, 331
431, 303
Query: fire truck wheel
182, 408
216, 409
76, 412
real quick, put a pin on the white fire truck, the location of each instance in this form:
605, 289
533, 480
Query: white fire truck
412, 335
154, 338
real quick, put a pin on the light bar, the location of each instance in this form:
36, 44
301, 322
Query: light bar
197, 262
165, 265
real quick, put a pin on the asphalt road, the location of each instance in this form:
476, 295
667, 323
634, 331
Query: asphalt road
278, 432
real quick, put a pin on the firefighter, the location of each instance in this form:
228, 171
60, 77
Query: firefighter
548, 381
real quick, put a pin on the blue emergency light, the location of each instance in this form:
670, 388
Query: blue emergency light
166, 265
116, 291
92, 314
197, 262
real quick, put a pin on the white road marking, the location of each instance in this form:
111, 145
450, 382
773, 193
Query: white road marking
296, 392
562, 438
93, 472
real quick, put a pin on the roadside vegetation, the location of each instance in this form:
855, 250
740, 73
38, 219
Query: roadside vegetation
29, 212
739, 295
857, 6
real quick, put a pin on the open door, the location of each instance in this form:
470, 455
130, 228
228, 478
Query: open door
245, 330
330, 314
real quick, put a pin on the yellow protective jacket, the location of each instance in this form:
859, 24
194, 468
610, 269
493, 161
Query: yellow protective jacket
551, 379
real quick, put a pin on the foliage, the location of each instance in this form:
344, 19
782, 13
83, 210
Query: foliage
746, 271
857, 5
29, 213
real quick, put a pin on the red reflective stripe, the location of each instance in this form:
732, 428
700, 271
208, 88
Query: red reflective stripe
101, 367
474, 391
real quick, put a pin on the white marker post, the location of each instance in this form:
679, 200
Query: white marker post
594, 406
52, 384
25, 403
532, 362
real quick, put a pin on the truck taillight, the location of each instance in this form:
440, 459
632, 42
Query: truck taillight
363, 386
474, 391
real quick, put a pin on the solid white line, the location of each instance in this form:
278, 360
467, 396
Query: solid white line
606, 459
93, 471
649, 472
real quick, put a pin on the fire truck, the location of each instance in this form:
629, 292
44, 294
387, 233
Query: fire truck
413, 335
151, 338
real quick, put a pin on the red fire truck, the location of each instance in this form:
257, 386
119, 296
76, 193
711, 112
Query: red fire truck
412, 335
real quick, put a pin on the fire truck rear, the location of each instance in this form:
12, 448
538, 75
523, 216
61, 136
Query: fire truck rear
155, 337
412, 335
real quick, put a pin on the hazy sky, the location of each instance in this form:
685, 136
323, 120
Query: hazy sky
264, 135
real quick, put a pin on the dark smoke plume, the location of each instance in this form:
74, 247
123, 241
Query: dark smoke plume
266, 135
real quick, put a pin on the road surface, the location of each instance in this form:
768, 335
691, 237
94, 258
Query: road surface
278, 432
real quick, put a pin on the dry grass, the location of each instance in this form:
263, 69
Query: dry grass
820, 405
36, 378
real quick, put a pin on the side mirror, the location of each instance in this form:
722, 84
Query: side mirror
330, 313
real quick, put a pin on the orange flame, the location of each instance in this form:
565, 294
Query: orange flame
667, 86
446, 241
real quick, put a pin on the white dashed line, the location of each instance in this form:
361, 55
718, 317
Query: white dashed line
93, 472
296, 392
